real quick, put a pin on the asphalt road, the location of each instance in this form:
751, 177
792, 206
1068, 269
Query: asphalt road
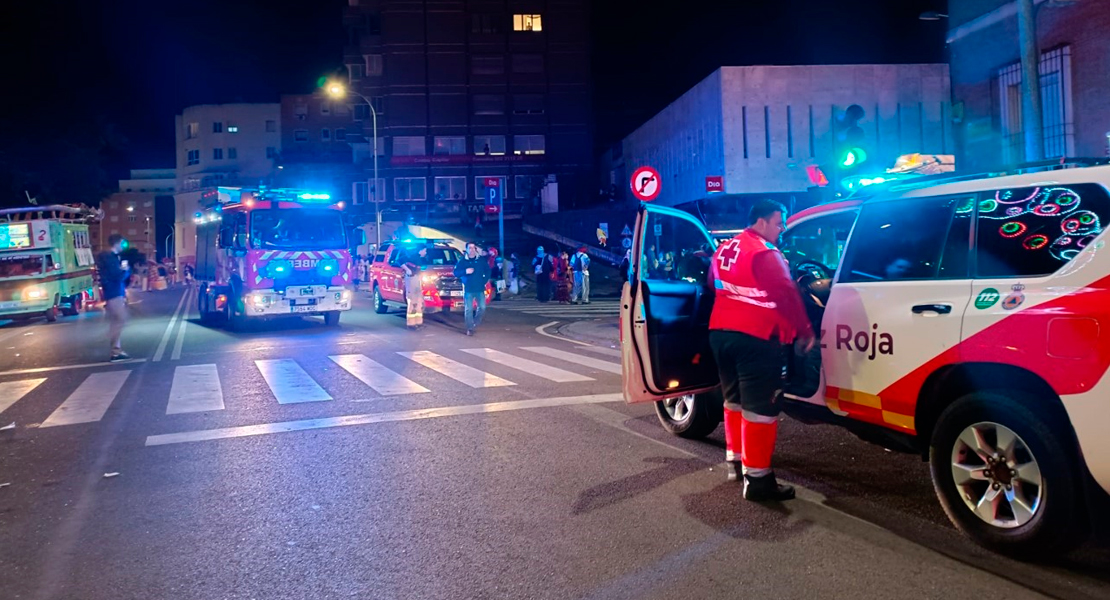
366, 461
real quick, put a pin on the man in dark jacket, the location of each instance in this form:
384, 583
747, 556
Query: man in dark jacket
113, 285
474, 272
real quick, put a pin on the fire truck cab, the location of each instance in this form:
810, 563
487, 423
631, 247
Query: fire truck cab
272, 252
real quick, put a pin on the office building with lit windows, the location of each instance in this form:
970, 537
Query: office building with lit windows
467, 91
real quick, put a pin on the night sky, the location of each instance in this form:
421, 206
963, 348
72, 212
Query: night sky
136, 63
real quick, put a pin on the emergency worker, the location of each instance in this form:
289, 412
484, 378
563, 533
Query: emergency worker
414, 289
757, 311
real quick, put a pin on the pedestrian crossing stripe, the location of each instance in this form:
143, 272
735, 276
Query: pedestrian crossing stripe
197, 388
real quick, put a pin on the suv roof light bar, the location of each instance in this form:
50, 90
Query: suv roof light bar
1055, 164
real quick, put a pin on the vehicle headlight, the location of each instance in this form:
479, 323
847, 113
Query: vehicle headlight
328, 268
429, 278
346, 295
260, 300
34, 293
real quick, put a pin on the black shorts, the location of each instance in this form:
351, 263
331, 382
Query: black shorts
751, 371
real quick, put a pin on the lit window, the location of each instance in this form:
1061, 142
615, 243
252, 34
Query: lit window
528, 144
233, 129
489, 145
450, 145
527, 23
192, 130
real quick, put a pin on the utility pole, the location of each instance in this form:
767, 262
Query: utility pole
1032, 113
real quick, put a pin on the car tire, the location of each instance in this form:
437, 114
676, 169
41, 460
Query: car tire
331, 318
1031, 495
690, 416
380, 306
73, 304
51, 313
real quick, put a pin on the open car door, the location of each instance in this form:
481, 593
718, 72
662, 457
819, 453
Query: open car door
665, 308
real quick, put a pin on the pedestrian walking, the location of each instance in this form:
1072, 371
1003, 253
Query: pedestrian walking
757, 310
414, 289
580, 264
473, 270
514, 274
113, 274
543, 265
626, 265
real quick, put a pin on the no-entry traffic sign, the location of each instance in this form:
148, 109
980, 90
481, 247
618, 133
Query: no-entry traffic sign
645, 184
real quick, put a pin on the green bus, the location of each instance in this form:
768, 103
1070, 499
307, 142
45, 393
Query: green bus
47, 266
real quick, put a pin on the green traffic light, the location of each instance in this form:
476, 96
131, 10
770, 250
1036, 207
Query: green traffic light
853, 157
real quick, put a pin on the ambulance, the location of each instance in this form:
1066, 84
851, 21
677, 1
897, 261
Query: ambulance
46, 261
965, 319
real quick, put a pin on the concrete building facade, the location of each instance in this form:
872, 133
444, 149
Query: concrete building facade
987, 80
220, 144
132, 211
758, 128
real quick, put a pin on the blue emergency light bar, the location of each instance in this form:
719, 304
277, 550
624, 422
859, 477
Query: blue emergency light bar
311, 196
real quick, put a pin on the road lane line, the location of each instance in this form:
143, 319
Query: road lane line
606, 351
528, 366
289, 382
169, 328
12, 391
195, 388
389, 417
541, 328
129, 361
586, 361
456, 370
89, 402
377, 376
184, 322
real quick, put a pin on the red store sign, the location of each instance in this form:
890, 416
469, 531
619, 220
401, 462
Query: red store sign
715, 183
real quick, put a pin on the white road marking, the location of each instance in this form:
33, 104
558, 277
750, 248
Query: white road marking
377, 376
586, 361
13, 333
528, 366
456, 370
289, 382
389, 417
89, 402
541, 328
606, 351
12, 391
129, 361
169, 328
195, 388
184, 322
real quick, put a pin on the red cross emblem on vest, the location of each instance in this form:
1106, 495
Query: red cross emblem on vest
728, 254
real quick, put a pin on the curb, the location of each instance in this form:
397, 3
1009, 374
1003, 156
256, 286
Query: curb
600, 336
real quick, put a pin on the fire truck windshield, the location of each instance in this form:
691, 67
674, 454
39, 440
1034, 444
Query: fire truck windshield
294, 229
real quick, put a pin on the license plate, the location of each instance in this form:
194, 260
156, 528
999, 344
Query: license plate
456, 293
457, 305
304, 309
9, 304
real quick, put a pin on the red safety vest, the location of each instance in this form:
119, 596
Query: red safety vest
741, 303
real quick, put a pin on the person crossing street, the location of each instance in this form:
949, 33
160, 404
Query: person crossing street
414, 289
757, 311
113, 274
473, 270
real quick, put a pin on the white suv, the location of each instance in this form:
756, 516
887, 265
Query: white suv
960, 318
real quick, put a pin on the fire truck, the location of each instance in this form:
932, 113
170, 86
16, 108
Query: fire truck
46, 261
271, 252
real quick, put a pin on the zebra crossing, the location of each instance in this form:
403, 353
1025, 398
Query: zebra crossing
596, 309
200, 388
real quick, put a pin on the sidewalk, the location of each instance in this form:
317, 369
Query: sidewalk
599, 332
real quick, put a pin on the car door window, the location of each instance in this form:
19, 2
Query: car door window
1025, 232
675, 249
914, 239
820, 240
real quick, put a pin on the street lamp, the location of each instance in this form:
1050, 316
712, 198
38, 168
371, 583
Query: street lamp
338, 90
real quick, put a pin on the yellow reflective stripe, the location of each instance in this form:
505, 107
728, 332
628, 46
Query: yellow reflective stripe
860, 398
898, 420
